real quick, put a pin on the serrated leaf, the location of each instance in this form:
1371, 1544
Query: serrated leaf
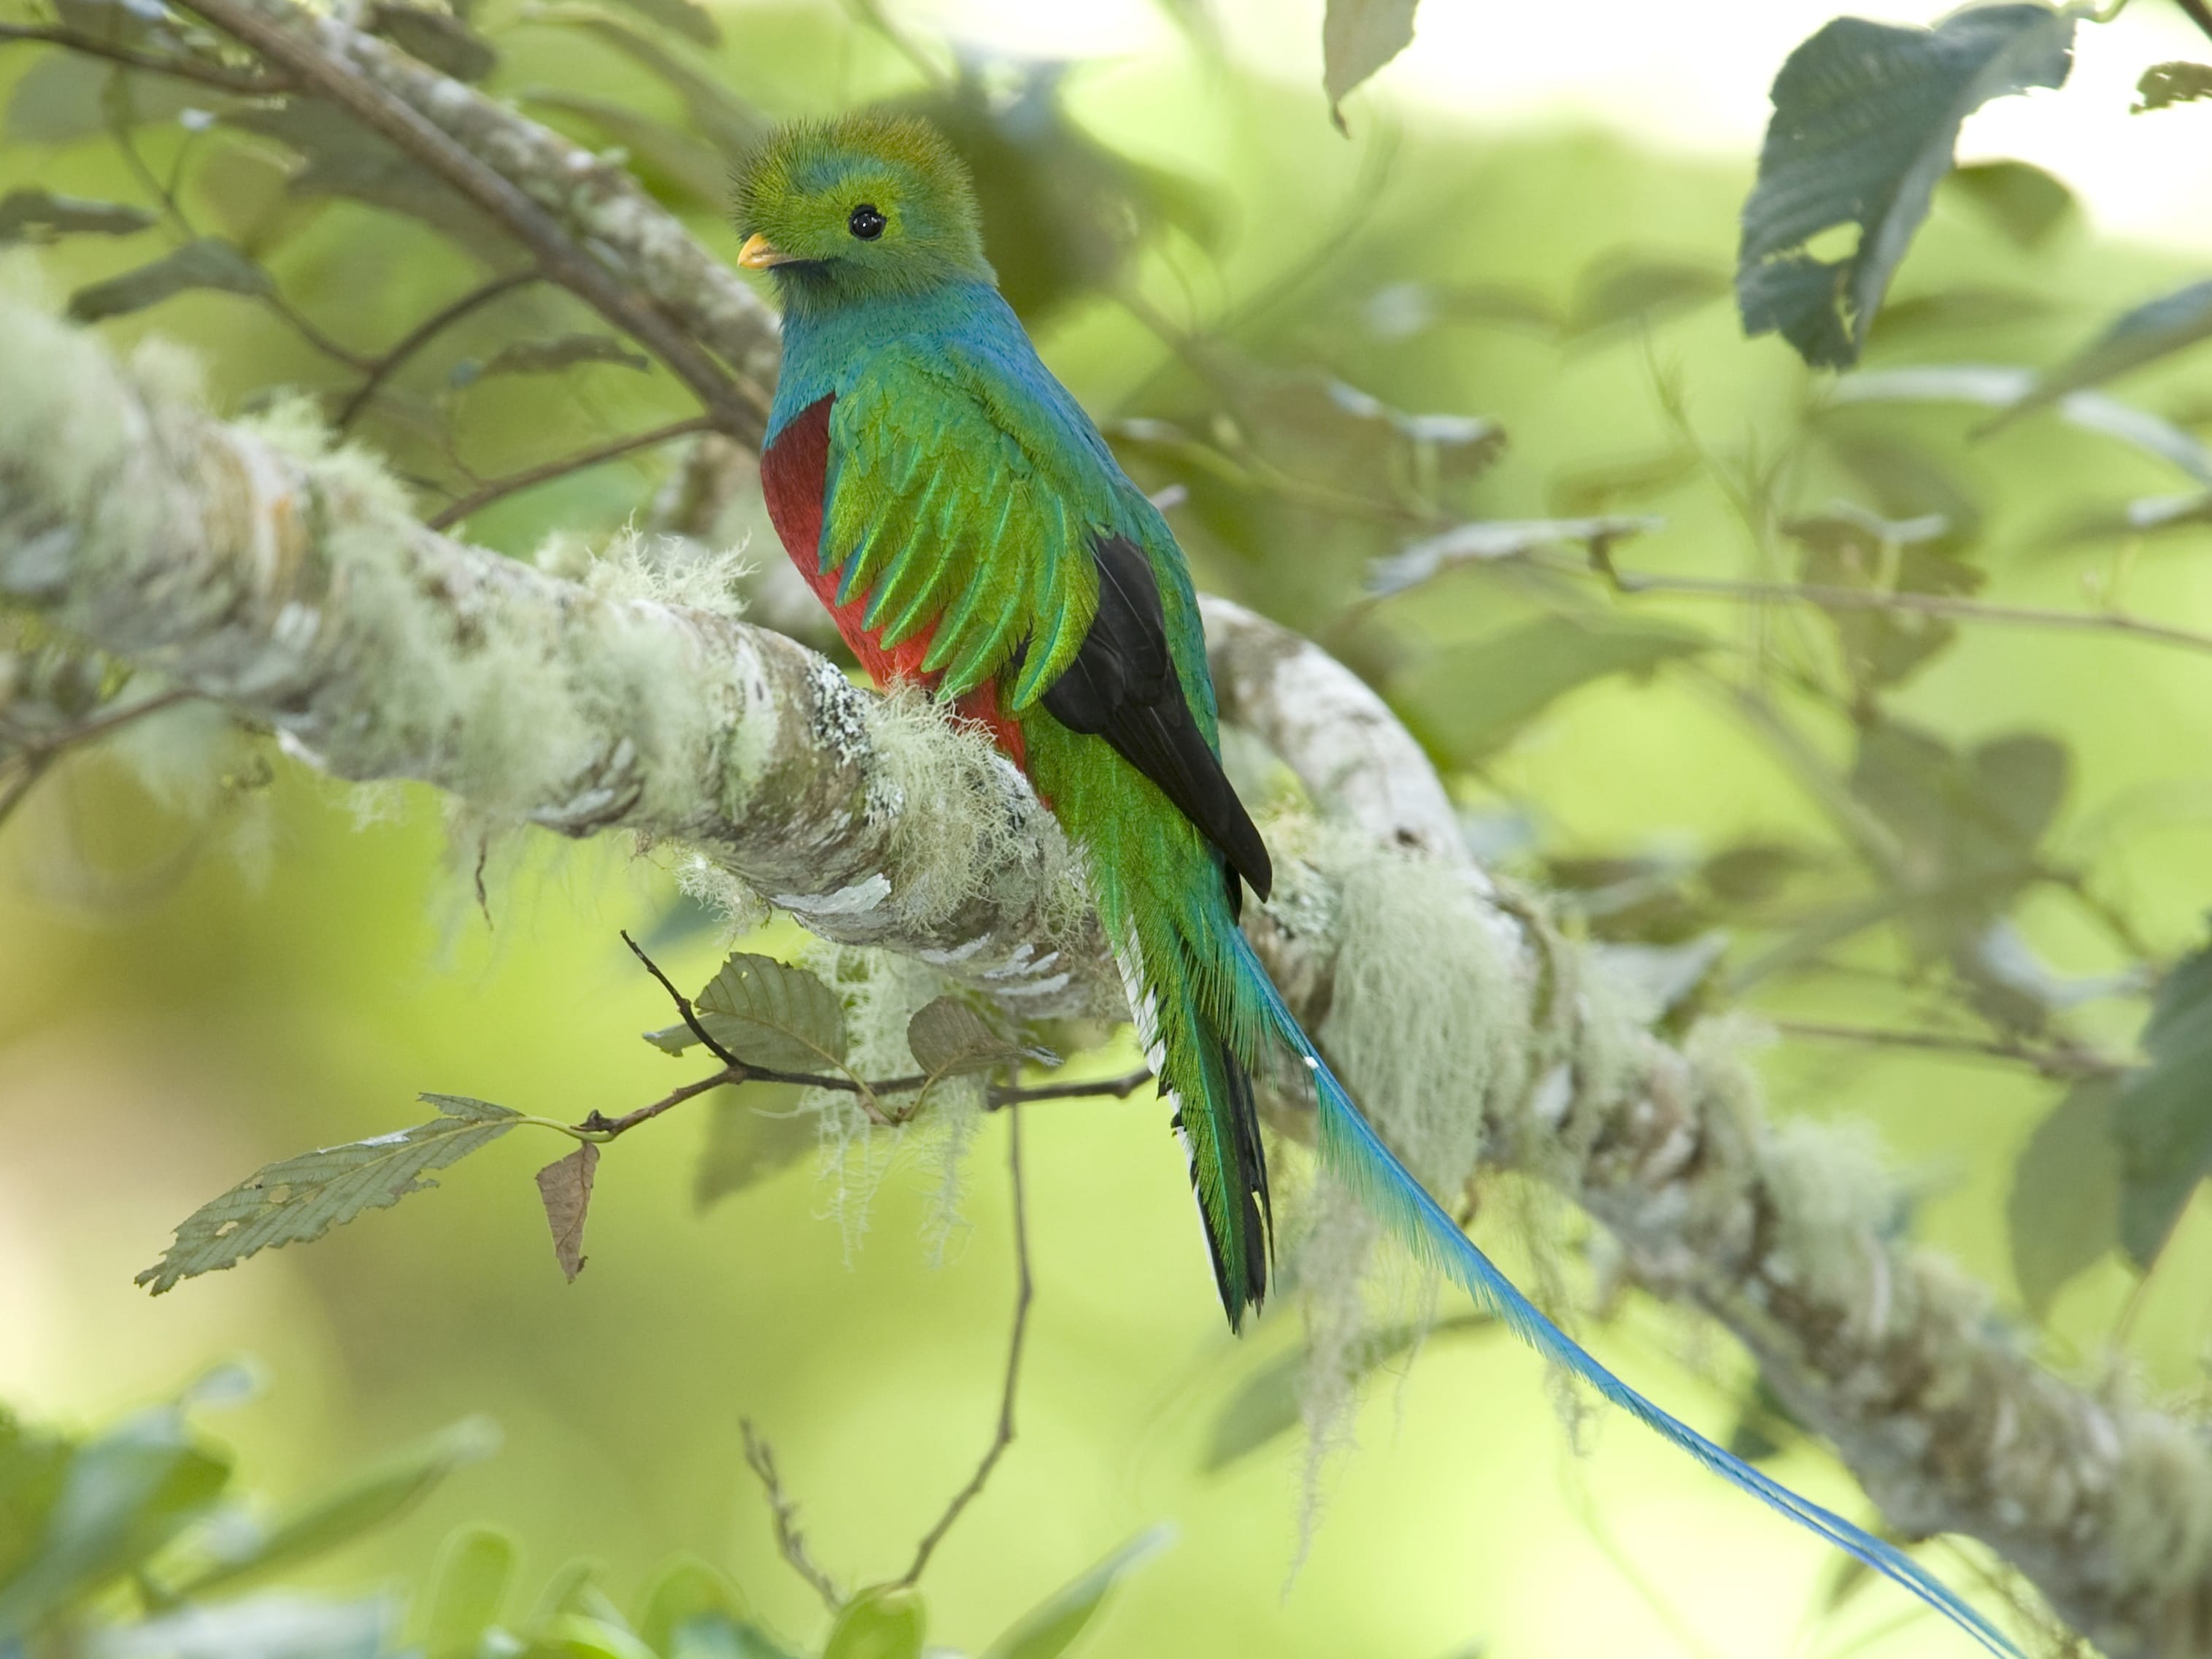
948, 1038
1470, 700
775, 1016
1051, 1628
564, 1186
302, 1198
2164, 84
2162, 1118
2063, 1212
475, 1568
437, 38
1358, 37
340, 1517
1866, 117
2158, 328
886, 1622
549, 356
2024, 202
119, 1498
685, 17
749, 1138
22, 211
209, 262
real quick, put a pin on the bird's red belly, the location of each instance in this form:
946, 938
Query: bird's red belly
794, 478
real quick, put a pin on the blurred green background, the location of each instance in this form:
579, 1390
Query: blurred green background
188, 991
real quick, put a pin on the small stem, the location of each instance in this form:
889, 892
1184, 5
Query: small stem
499, 489
1024, 1291
35, 757
422, 334
1120, 1088
761, 1457
2057, 1060
684, 1007
315, 336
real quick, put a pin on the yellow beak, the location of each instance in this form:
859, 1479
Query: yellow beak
760, 254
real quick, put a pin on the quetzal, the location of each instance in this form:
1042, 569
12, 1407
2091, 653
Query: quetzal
969, 528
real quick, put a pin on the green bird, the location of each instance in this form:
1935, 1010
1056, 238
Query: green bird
968, 529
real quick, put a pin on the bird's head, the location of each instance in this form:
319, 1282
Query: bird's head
864, 207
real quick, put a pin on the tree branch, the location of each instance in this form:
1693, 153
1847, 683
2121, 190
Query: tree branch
761, 1457
498, 489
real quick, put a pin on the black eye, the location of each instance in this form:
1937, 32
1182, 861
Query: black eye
866, 222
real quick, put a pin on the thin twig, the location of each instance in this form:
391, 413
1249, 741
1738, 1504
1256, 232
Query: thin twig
36, 756
788, 1539
1004, 1437
684, 1007
1120, 1088
185, 69
287, 36
2199, 14
2055, 1061
1926, 605
499, 488
422, 334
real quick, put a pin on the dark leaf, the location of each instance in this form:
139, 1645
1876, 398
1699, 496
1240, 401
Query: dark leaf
949, 1038
1050, 1629
2157, 329
2172, 84
1865, 118
1857, 551
2063, 1212
772, 1015
2162, 1119
40, 210
549, 357
749, 1138
2024, 202
1471, 699
209, 262
565, 1187
340, 1517
1621, 288
475, 1568
439, 39
685, 17
1358, 37
878, 1623
303, 1197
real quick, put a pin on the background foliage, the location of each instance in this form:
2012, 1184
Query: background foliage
1749, 662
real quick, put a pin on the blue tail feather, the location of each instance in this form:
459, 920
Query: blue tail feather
1356, 1154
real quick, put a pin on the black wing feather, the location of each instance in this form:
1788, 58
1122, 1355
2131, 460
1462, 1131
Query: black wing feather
1122, 686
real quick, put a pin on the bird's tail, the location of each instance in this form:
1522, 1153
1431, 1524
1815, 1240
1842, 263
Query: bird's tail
1352, 1150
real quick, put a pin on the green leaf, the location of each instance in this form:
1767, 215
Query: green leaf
1618, 289
564, 1187
209, 262
573, 1635
122, 1496
383, 1494
1358, 37
135, 23
775, 1016
2063, 1212
1486, 541
2024, 202
726, 121
438, 39
2162, 1119
2155, 329
303, 1197
686, 1589
22, 211
750, 1138
1051, 1628
1866, 117
2164, 84
885, 1623
63, 96
1849, 548
1470, 700
476, 1568
685, 17
32, 1465
949, 1038
549, 357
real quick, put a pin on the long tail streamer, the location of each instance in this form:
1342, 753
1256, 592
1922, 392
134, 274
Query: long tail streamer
1357, 1155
